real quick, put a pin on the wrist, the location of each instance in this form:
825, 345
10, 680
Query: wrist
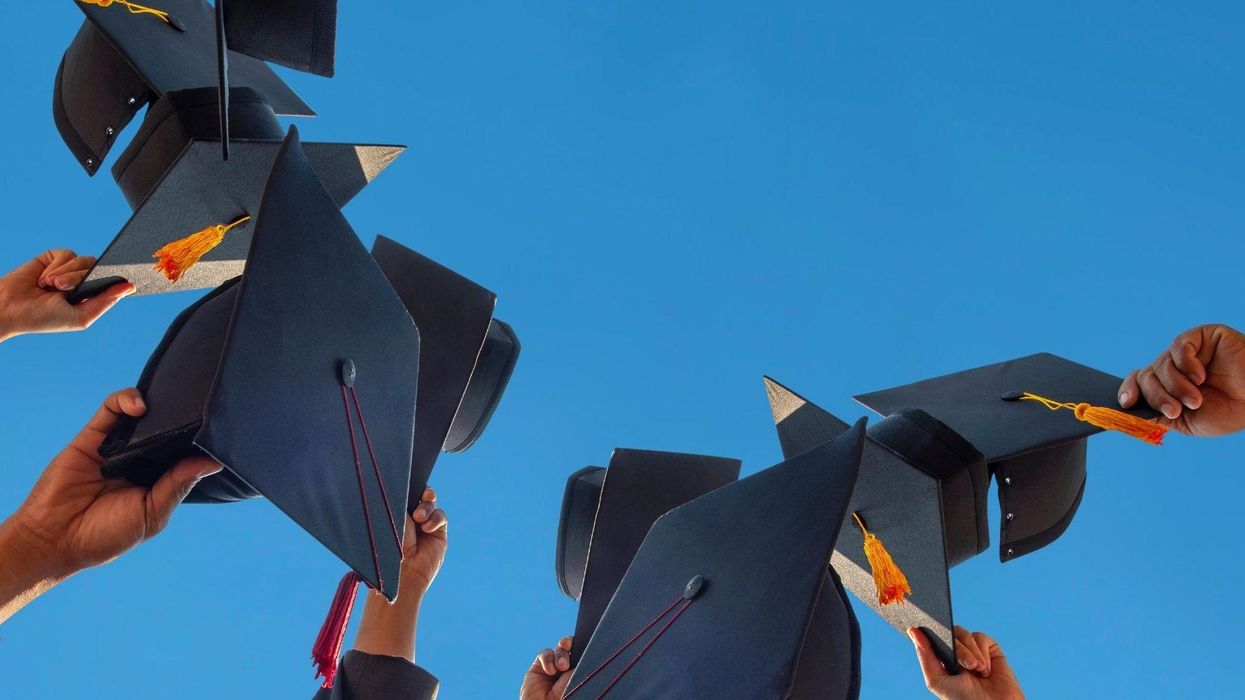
37, 553
26, 570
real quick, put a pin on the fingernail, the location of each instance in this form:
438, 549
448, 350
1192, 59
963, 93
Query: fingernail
62, 284
968, 663
1123, 398
1170, 410
1190, 403
139, 404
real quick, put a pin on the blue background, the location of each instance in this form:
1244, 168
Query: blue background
671, 201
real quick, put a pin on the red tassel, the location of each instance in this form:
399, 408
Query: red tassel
328, 647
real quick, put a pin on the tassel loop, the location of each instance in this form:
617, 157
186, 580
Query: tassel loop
176, 258
328, 647
134, 8
1106, 418
888, 578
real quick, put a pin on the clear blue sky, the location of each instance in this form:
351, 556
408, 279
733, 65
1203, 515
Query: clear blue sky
671, 201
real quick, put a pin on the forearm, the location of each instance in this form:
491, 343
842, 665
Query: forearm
389, 629
26, 570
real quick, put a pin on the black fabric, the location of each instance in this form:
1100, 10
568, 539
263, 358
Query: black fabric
750, 631
961, 472
922, 490
178, 118
1042, 450
639, 487
298, 34
579, 512
277, 400
484, 390
1042, 492
175, 385
827, 659
200, 190
95, 98
140, 58
364, 676
252, 376
453, 316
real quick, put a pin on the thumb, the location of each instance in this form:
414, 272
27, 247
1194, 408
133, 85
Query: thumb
931, 667
172, 489
90, 310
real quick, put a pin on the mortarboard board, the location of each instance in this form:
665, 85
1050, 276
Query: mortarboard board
922, 491
122, 59
1036, 455
298, 34
607, 512
466, 356
305, 394
181, 191
712, 608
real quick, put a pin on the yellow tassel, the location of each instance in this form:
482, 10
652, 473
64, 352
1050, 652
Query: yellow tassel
1106, 418
889, 580
135, 9
174, 259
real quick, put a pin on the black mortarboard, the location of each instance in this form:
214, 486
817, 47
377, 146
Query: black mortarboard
174, 179
607, 512
465, 359
731, 596
120, 61
1037, 455
298, 34
304, 392
922, 491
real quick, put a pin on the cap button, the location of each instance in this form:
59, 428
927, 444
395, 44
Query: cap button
1011, 516
348, 372
1010, 551
693, 587
1013, 396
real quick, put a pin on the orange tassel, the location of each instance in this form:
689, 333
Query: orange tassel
1106, 418
134, 8
890, 581
174, 259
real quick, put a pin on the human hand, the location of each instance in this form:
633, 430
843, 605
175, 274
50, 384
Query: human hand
32, 297
1198, 383
423, 544
984, 675
74, 518
549, 674
388, 629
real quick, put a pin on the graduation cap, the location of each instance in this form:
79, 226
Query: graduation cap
465, 360
607, 512
298, 34
191, 225
918, 508
1030, 417
304, 392
731, 596
127, 55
